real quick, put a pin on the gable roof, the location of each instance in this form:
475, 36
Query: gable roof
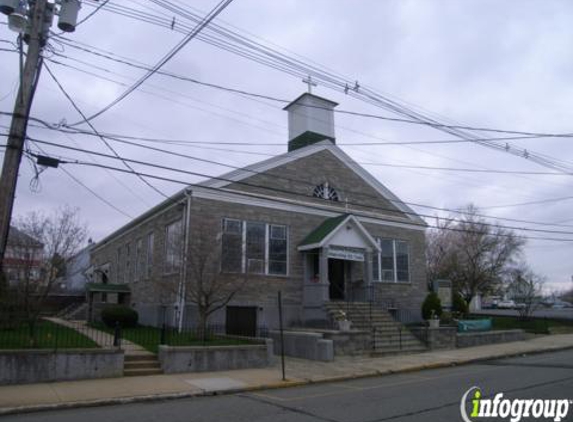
17, 237
265, 165
327, 226
323, 233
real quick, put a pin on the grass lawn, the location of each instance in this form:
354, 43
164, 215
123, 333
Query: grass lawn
536, 326
48, 336
150, 337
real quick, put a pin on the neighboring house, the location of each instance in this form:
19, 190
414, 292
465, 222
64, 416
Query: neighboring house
310, 223
23, 257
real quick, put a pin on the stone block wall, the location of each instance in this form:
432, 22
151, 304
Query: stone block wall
176, 359
33, 366
489, 337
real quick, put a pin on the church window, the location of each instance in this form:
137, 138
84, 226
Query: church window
392, 264
173, 246
325, 191
253, 247
232, 240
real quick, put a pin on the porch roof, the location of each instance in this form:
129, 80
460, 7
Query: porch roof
320, 236
108, 288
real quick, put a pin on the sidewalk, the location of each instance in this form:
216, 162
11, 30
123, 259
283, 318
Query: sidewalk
102, 338
31, 397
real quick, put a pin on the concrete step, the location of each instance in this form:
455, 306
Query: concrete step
396, 350
142, 365
136, 372
140, 356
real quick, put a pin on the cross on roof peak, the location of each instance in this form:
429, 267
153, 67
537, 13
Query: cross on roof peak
308, 80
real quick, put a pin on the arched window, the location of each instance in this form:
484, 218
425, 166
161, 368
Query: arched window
325, 191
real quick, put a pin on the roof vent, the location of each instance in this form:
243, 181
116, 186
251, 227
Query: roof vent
310, 120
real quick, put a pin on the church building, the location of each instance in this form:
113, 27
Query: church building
310, 223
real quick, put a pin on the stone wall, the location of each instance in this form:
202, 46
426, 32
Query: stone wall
304, 345
489, 337
350, 343
436, 338
176, 359
32, 366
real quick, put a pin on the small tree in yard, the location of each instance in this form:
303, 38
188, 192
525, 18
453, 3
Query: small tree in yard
203, 284
526, 288
42, 244
208, 288
432, 306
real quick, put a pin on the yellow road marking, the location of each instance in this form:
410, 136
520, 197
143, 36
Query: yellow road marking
370, 387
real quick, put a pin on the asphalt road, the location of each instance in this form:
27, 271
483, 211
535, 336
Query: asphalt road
430, 395
566, 313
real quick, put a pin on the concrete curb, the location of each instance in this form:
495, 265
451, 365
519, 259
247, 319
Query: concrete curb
272, 386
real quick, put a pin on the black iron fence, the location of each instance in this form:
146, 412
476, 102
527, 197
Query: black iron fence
45, 334
150, 338
58, 334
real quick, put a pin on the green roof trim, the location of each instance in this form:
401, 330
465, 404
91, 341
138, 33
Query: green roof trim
108, 288
327, 226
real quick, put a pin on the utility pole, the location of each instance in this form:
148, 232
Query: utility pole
17, 136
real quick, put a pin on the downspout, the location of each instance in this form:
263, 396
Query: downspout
183, 281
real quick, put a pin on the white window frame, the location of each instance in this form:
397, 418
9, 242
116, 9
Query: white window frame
267, 243
394, 261
171, 268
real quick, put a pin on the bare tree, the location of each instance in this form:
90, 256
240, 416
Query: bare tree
208, 288
201, 281
473, 254
39, 246
526, 288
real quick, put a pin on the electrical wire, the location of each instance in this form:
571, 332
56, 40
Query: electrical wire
206, 20
181, 182
73, 103
270, 189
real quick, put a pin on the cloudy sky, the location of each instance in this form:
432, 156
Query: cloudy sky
480, 63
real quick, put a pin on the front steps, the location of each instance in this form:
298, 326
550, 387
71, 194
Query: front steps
141, 364
388, 335
74, 312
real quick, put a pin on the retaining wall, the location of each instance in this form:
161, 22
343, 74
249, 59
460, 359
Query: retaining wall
488, 337
175, 359
32, 366
304, 345
436, 338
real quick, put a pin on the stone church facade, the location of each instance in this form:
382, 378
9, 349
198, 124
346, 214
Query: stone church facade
310, 223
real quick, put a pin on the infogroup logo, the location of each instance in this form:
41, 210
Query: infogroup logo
513, 409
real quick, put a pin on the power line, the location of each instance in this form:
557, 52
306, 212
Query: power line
80, 112
276, 190
90, 190
163, 178
181, 155
133, 63
264, 55
206, 20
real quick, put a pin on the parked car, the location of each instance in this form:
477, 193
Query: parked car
506, 304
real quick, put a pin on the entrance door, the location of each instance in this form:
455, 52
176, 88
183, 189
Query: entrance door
241, 321
336, 278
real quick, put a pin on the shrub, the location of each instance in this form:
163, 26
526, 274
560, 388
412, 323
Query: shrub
431, 303
446, 318
121, 314
459, 305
